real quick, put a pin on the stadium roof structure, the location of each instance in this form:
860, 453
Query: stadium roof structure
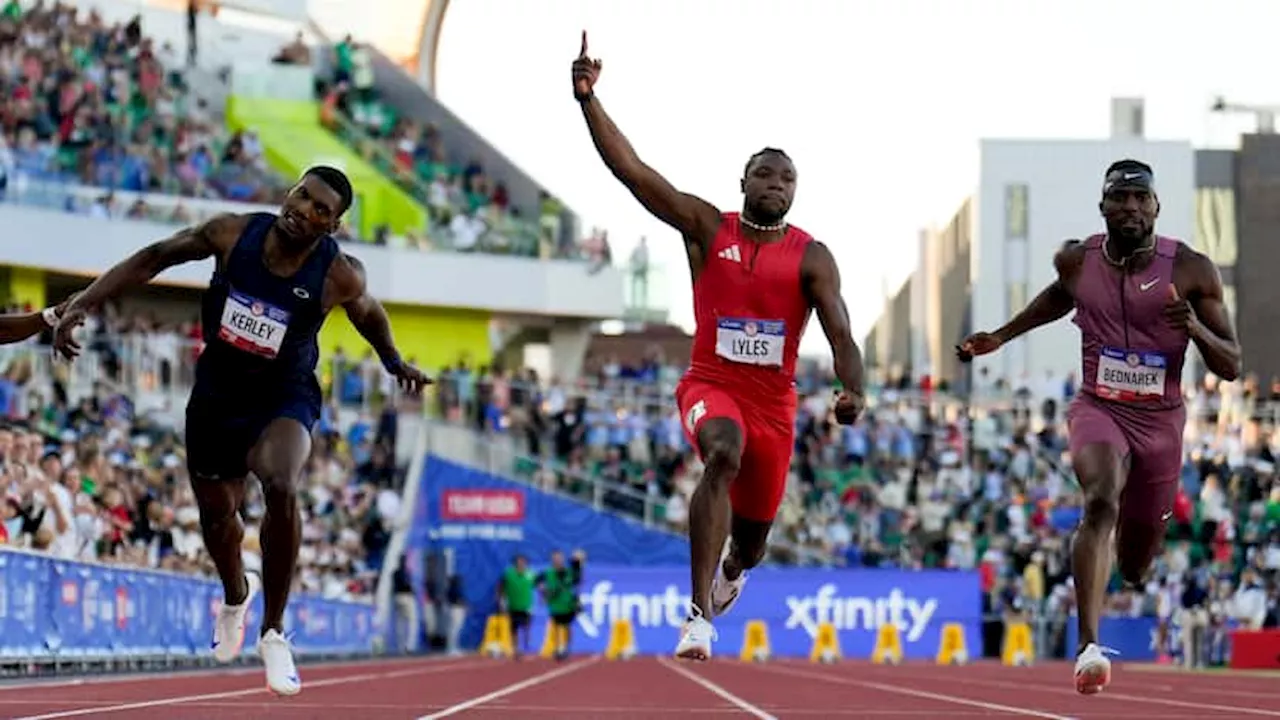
406, 31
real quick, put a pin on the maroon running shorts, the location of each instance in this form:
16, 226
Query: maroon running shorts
1150, 439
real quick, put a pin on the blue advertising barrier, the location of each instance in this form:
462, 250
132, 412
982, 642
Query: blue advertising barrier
791, 602
487, 521
1133, 637
1136, 638
74, 610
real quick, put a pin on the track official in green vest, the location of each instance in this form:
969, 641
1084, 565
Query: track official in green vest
559, 585
515, 595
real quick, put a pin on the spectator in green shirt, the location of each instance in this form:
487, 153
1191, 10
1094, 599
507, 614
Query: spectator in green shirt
515, 593
559, 585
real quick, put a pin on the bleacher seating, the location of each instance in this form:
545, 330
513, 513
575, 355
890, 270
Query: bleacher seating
89, 103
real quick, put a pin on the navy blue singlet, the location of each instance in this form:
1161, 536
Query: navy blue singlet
259, 328
260, 356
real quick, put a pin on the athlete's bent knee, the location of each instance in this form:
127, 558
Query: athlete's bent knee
1100, 470
723, 461
721, 444
279, 487
217, 503
1132, 567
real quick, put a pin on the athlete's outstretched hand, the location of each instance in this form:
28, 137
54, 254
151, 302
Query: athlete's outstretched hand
410, 378
585, 72
978, 344
1177, 310
849, 406
64, 342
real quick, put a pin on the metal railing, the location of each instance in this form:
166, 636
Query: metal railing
55, 192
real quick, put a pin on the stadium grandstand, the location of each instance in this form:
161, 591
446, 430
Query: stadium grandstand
938, 522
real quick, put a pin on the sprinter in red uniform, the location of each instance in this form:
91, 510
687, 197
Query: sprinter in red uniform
1139, 299
755, 279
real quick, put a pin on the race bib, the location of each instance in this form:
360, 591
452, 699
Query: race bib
1130, 375
751, 342
252, 325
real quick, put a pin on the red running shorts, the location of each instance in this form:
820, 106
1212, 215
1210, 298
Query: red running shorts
768, 438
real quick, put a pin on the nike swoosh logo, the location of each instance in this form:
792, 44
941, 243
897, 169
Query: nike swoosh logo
1131, 176
1166, 516
1148, 284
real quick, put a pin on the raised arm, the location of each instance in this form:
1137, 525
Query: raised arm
371, 321
822, 287
210, 238
1052, 304
695, 218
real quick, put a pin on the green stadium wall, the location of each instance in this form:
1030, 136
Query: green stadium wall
293, 140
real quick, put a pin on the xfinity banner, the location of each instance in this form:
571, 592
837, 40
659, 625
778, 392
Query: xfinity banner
792, 603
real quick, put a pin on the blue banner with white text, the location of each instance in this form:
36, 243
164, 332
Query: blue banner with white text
486, 521
69, 609
791, 602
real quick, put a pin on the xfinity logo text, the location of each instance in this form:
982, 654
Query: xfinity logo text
601, 607
912, 616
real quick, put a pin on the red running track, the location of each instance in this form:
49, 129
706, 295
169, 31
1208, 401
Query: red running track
430, 688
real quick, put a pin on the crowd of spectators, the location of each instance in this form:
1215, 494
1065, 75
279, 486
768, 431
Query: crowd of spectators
89, 103
92, 478
923, 480
470, 210
96, 118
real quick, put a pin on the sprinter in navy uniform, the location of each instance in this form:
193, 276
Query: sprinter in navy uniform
256, 397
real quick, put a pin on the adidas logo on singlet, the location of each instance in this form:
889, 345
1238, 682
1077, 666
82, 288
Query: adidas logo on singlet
731, 253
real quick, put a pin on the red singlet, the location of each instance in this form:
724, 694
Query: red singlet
751, 311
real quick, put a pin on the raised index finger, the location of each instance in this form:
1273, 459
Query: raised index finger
583, 51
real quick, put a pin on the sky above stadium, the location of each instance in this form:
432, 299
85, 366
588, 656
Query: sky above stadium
880, 104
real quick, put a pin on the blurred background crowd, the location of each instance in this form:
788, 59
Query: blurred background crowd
928, 478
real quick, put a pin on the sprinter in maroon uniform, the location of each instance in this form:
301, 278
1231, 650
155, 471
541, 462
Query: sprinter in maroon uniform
1139, 299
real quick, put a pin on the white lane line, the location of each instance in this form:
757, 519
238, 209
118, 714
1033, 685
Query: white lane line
510, 689
182, 699
14, 684
723, 694
911, 692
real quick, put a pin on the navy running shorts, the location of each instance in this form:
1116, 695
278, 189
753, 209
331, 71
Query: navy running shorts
221, 431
